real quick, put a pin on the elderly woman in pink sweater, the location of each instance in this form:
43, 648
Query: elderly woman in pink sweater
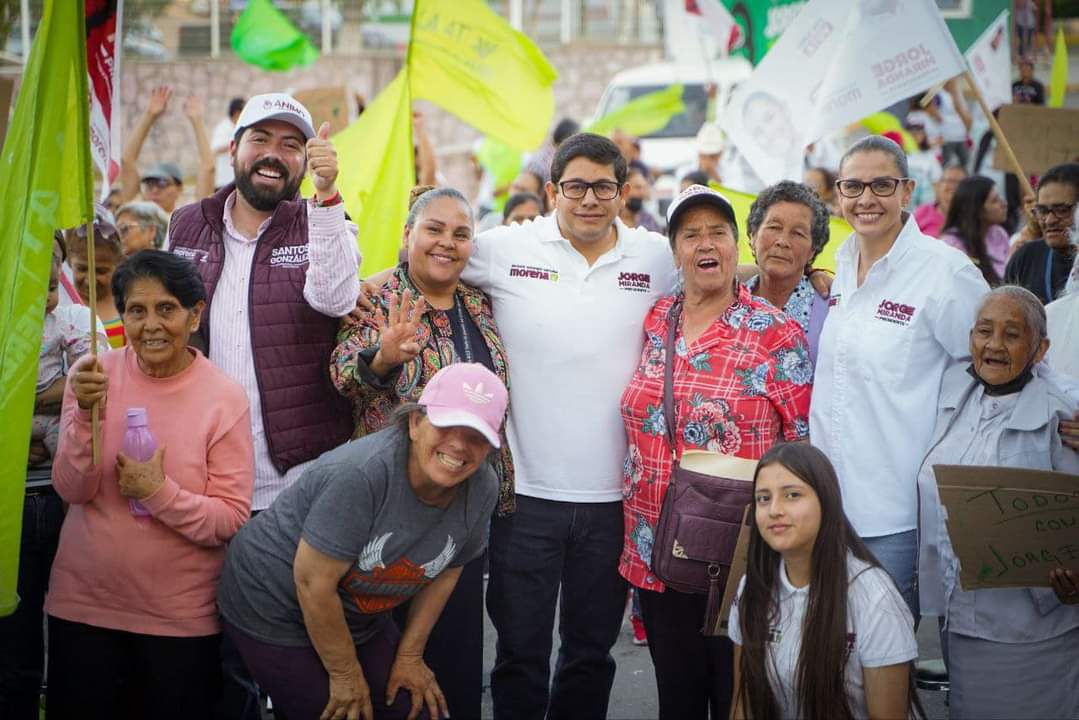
133, 625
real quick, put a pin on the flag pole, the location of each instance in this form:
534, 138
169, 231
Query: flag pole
998, 133
91, 271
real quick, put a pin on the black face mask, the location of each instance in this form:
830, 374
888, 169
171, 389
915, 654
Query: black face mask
634, 204
1012, 386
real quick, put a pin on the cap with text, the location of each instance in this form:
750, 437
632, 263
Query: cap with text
466, 395
275, 106
695, 196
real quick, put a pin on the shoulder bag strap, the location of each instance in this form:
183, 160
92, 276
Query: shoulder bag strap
670, 420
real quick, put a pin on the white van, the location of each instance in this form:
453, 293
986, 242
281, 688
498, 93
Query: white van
675, 144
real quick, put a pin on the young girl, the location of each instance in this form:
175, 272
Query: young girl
820, 629
108, 254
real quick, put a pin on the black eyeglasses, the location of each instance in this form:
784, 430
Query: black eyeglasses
1063, 211
881, 187
577, 189
159, 183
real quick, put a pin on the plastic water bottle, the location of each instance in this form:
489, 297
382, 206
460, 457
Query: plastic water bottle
138, 445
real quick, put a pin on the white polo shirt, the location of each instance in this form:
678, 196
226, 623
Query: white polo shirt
880, 632
883, 351
573, 336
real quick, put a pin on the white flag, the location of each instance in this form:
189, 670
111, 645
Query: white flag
839, 61
990, 61
717, 21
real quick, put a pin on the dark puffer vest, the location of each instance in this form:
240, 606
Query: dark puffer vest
302, 413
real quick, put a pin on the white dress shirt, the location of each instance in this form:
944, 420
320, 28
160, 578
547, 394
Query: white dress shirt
883, 351
331, 287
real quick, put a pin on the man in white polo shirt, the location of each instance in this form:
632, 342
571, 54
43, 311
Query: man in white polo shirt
570, 292
900, 314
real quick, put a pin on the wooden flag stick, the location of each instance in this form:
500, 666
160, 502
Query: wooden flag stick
933, 91
91, 271
998, 133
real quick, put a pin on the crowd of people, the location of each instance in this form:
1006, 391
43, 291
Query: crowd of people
336, 465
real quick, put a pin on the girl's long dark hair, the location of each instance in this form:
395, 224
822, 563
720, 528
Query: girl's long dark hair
966, 218
820, 675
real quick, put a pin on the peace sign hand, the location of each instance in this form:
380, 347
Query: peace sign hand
397, 333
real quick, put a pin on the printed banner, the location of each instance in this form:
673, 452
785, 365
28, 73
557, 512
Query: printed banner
103, 30
990, 61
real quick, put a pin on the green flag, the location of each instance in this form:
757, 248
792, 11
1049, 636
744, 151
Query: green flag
643, 115
263, 36
1058, 76
46, 183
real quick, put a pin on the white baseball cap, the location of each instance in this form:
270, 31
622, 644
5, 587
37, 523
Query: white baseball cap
694, 196
275, 106
710, 139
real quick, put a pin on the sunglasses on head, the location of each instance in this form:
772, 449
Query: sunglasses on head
102, 228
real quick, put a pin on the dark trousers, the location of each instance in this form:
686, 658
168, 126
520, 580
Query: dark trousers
545, 547
694, 673
22, 642
102, 673
297, 681
454, 649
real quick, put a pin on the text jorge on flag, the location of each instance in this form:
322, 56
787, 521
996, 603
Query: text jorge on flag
47, 184
840, 60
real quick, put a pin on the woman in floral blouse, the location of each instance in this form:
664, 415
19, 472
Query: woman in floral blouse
742, 381
424, 320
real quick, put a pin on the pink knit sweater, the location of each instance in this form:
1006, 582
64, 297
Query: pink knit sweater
152, 576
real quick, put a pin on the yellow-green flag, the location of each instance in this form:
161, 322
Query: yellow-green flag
643, 115
839, 229
468, 60
263, 36
882, 122
46, 184
1058, 78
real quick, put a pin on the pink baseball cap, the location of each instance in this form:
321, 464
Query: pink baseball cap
466, 395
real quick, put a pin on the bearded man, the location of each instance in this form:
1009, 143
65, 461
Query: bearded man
279, 272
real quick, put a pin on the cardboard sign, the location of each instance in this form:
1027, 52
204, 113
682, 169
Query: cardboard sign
1040, 136
1009, 527
328, 104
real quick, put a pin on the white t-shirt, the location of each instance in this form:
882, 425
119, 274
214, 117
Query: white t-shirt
880, 632
952, 128
1063, 317
223, 173
883, 351
573, 336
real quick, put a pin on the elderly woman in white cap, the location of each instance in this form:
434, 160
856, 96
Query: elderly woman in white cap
740, 378
307, 589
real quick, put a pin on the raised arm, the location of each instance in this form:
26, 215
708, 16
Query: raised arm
129, 167
194, 110
427, 161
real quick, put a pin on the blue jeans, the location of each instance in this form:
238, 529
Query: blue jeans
22, 645
898, 554
546, 548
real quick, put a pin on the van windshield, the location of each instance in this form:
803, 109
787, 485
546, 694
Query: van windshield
685, 124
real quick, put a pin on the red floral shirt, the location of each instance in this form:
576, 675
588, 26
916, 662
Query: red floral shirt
741, 387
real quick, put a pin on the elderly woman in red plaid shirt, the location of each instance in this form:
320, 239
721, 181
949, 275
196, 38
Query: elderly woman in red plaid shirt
742, 379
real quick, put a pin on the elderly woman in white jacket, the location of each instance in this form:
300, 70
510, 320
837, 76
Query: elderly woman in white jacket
1010, 652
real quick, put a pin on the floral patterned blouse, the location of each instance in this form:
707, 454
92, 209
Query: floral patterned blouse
374, 399
741, 387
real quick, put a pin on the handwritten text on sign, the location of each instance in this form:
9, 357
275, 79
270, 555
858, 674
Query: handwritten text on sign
1010, 527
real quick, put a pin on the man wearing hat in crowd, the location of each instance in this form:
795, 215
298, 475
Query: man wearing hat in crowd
163, 185
279, 271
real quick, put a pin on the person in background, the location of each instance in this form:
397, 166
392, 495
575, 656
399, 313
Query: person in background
1027, 90
163, 184
1010, 651
690, 179
930, 216
975, 226
426, 319
219, 143
822, 182
819, 628
898, 319
955, 124
540, 161
709, 152
521, 208
1042, 266
142, 226
741, 379
924, 164
133, 621
1063, 318
307, 589
788, 226
633, 213
424, 151
108, 254
527, 182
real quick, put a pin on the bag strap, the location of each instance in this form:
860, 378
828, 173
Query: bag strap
669, 418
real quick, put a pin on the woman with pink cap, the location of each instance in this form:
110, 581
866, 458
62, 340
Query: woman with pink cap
309, 584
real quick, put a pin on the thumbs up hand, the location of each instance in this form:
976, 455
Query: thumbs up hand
322, 163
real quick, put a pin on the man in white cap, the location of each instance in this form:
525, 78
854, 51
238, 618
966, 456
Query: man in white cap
279, 271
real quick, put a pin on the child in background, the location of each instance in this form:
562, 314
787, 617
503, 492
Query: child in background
108, 254
820, 629
66, 338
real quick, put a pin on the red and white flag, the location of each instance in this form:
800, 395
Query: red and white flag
103, 51
718, 21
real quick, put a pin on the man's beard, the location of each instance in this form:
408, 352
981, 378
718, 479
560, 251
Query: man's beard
266, 199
